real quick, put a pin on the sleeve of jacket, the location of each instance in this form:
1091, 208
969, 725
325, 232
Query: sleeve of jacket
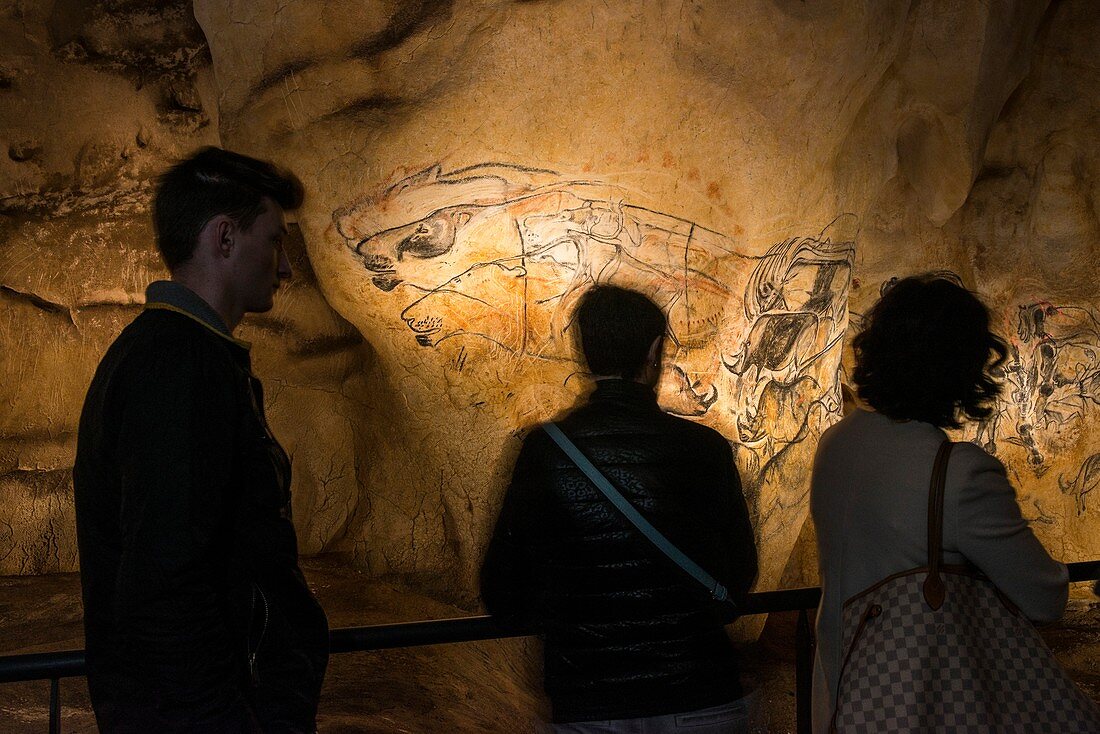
993, 535
175, 449
510, 573
736, 527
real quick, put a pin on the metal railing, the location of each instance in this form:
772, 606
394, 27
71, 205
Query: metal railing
53, 666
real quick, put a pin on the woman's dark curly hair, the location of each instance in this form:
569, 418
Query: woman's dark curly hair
926, 352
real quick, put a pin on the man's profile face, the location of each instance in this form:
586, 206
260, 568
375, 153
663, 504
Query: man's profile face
259, 263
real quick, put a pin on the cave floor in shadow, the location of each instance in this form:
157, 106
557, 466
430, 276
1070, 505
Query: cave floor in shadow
488, 686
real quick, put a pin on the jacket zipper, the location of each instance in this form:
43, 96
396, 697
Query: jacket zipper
870, 613
253, 671
282, 462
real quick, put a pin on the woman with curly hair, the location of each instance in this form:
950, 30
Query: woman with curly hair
923, 363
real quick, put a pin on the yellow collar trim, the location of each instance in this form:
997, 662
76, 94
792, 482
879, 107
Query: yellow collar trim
196, 319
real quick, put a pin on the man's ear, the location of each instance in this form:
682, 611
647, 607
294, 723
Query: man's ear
653, 356
225, 231
216, 236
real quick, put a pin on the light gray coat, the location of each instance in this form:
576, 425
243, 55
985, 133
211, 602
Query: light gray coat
869, 502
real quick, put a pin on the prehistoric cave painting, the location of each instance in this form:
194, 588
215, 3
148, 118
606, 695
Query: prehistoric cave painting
1051, 384
1052, 381
1087, 479
498, 255
787, 364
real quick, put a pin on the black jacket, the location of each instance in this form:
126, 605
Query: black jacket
188, 557
627, 633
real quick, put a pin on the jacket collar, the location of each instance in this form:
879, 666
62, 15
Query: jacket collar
171, 296
620, 390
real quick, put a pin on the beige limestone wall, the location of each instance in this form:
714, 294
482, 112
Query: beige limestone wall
96, 98
758, 166
1028, 238
762, 168
92, 103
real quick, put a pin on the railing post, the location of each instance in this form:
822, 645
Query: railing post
55, 706
803, 673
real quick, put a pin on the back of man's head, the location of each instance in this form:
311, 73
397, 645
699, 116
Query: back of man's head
212, 182
617, 328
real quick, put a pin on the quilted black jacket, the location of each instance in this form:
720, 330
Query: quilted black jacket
626, 632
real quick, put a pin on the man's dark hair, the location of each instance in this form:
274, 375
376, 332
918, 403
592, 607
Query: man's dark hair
617, 327
212, 182
926, 353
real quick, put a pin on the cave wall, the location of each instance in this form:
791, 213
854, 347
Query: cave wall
96, 99
1028, 238
761, 168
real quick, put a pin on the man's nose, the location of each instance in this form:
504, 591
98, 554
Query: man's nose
285, 271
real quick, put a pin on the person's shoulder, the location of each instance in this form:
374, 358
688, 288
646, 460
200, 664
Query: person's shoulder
534, 441
857, 421
164, 327
160, 325
867, 427
969, 458
696, 433
974, 476
844, 429
533, 434
161, 344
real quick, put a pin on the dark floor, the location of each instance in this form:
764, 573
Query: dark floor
468, 687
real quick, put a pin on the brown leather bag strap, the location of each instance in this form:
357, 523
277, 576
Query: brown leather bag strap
933, 583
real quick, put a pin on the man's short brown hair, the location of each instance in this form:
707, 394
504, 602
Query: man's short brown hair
214, 181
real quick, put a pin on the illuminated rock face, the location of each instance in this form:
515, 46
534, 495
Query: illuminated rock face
96, 99
1026, 239
93, 103
1031, 238
472, 168
483, 268
760, 168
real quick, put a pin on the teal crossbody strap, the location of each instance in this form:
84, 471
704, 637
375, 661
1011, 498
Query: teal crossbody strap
717, 591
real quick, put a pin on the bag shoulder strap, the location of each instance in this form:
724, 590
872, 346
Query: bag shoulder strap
933, 583
717, 591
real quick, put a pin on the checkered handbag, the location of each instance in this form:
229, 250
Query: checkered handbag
939, 649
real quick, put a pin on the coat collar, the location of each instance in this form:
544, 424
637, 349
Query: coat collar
624, 391
171, 296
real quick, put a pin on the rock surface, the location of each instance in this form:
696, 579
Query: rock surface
87, 121
96, 99
473, 166
762, 168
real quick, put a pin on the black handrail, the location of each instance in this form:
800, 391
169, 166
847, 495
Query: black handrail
53, 666
41, 666
70, 663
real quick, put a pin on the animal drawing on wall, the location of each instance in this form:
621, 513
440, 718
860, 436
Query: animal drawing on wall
1052, 382
1081, 484
491, 260
795, 305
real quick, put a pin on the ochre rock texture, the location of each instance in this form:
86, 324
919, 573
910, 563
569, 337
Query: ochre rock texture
96, 99
761, 168
1028, 238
